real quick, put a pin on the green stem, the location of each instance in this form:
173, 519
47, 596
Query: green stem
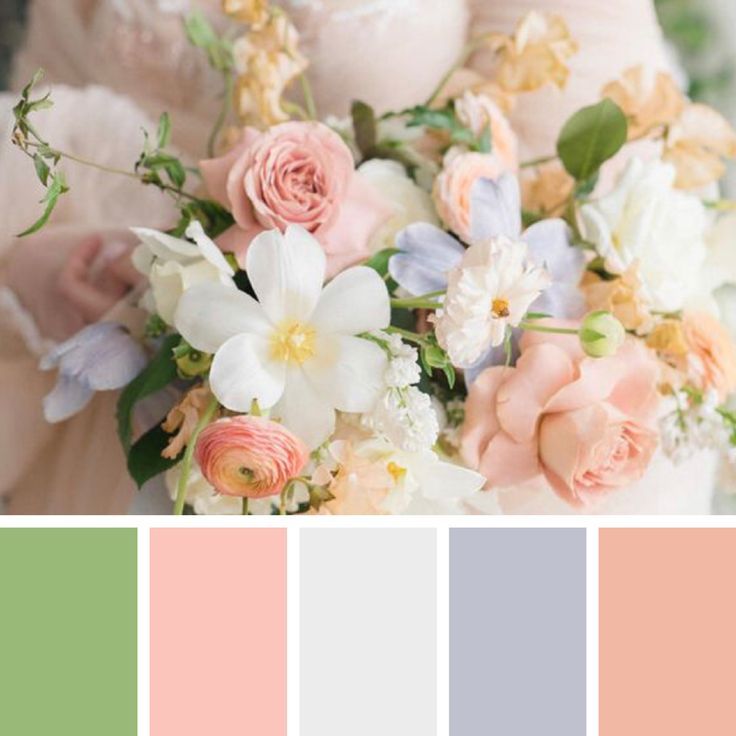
224, 112
538, 161
425, 301
245, 506
186, 463
406, 334
308, 97
531, 327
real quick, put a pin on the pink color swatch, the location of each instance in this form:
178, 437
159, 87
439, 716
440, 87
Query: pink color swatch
218, 632
667, 632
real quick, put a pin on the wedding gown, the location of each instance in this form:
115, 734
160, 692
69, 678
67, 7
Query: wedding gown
116, 64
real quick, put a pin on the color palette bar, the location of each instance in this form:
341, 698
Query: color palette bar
368, 632
667, 632
68, 632
517, 632
218, 632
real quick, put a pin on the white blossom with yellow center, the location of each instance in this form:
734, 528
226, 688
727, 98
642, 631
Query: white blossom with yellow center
296, 349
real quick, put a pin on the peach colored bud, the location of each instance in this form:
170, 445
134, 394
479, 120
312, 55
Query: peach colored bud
249, 456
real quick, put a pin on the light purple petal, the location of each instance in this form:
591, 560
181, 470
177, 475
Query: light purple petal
495, 208
68, 397
550, 246
102, 356
427, 254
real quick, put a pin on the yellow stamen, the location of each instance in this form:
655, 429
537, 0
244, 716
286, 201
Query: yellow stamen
293, 342
500, 308
396, 471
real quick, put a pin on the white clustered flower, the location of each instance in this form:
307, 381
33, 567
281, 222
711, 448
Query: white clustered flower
490, 290
404, 414
689, 426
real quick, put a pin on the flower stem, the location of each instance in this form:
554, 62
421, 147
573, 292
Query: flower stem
186, 463
425, 301
245, 506
537, 161
531, 327
224, 111
308, 97
406, 334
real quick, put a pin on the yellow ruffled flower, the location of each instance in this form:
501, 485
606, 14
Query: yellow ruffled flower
267, 60
536, 54
696, 137
254, 12
668, 339
647, 100
696, 144
621, 296
547, 190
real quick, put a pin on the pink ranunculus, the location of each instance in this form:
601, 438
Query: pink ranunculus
249, 456
296, 173
588, 425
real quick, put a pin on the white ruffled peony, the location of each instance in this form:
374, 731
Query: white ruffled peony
296, 350
174, 265
410, 203
645, 219
489, 291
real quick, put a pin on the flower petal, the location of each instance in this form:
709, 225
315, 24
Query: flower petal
243, 371
68, 397
495, 208
347, 372
303, 410
441, 480
354, 301
208, 249
427, 254
506, 463
210, 314
287, 272
165, 246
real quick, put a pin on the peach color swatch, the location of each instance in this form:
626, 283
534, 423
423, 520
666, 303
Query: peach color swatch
667, 632
218, 632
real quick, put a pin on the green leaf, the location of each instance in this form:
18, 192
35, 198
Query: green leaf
158, 374
57, 188
163, 134
42, 168
449, 371
590, 137
364, 125
446, 119
203, 36
588, 335
145, 460
379, 261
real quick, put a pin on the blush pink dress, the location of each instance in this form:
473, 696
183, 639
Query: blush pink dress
115, 64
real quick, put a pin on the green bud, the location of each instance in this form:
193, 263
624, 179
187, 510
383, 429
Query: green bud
601, 334
193, 363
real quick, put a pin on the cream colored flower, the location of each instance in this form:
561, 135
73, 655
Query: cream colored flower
536, 54
647, 99
622, 296
696, 144
254, 12
547, 190
267, 60
183, 418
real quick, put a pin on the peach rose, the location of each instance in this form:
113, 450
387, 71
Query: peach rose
586, 424
462, 169
296, 173
249, 456
710, 362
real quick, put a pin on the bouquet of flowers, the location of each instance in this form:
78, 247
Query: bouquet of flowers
393, 314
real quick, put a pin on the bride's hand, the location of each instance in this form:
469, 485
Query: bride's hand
67, 279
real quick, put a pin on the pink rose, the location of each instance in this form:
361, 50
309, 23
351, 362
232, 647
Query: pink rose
249, 456
296, 173
588, 425
461, 170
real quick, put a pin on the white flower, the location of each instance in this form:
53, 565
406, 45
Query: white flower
173, 265
407, 418
296, 349
373, 476
410, 203
491, 289
646, 219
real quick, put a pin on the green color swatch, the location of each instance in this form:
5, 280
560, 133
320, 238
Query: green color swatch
68, 645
